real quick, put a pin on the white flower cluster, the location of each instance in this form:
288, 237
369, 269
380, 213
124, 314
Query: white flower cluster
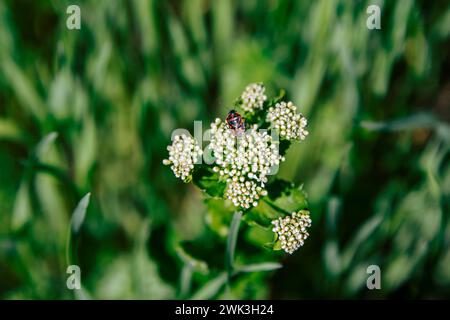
291, 230
253, 97
244, 193
244, 161
183, 153
290, 125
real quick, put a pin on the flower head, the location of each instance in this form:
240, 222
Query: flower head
244, 161
253, 97
183, 153
291, 230
290, 125
243, 193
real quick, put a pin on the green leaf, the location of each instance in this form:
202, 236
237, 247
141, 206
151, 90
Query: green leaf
219, 215
261, 215
277, 245
23, 88
286, 197
80, 213
212, 288
283, 199
196, 264
259, 236
22, 207
412, 122
208, 181
76, 221
258, 267
10, 131
284, 146
277, 187
231, 242
416, 121
271, 102
190, 266
363, 234
44, 145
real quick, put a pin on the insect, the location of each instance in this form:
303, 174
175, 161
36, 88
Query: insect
235, 122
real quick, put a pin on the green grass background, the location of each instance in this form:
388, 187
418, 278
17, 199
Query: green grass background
375, 165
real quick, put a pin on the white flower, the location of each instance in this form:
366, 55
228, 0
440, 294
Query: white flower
183, 153
244, 194
290, 125
243, 161
253, 97
291, 230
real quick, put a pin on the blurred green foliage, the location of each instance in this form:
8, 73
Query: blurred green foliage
93, 110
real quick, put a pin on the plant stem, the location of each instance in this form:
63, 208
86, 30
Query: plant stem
185, 281
231, 244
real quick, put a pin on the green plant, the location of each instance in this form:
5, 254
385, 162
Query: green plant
376, 165
238, 169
